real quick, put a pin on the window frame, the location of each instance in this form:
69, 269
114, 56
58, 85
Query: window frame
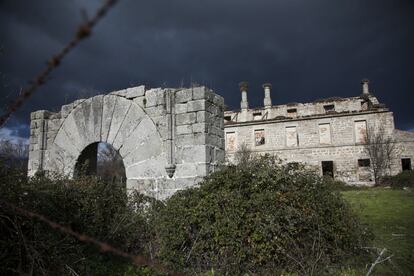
263, 138
286, 136
330, 133
355, 132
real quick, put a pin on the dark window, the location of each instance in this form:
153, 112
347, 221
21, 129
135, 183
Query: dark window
227, 118
327, 168
364, 163
406, 164
257, 115
329, 107
364, 105
292, 112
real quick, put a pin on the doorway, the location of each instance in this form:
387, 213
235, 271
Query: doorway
328, 168
103, 161
406, 164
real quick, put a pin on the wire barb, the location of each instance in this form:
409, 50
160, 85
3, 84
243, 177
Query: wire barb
103, 247
83, 31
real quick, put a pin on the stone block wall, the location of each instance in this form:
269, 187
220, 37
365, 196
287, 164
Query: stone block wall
178, 130
343, 146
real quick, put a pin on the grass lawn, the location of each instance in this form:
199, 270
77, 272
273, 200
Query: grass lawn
390, 213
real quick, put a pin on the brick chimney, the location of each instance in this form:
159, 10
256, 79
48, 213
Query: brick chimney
267, 101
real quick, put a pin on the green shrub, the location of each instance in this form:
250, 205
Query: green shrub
100, 210
259, 217
404, 179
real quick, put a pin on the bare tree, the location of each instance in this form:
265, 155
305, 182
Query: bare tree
14, 154
381, 149
243, 155
110, 166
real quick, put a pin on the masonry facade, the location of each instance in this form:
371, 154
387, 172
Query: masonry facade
327, 135
169, 139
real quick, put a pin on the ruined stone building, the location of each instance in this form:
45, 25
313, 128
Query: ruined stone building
170, 138
328, 135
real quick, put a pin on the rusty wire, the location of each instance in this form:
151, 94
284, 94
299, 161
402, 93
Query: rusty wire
83, 31
139, 260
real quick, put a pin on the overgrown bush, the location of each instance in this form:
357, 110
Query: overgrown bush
402, 180
259, 217
98, 209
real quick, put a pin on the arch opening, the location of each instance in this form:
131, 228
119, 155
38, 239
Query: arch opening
103, 161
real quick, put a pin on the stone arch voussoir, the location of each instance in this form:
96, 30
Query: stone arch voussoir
117, 121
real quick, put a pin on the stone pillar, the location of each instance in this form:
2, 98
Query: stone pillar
267, 99
170, 168
365, 88
244, 86
38, 139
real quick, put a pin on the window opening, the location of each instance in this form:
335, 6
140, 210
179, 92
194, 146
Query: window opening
406, 164
364, 163
325, 134
102, 161
292, 112
257, 115
291, 137
231, 143
329, 108
361, 132
259, 137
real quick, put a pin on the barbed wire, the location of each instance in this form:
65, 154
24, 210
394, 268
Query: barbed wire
83, 31
139, 260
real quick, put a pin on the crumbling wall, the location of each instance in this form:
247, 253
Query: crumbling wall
299, 110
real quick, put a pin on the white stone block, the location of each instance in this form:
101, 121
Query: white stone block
185, 118
180, 108
154, 97
135, 92
200, 128
199, 93
121, 93
196, 105
131, 121
183, 96
121, 109
184, 129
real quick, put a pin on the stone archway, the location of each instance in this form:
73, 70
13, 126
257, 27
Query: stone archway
118, 122
168, 139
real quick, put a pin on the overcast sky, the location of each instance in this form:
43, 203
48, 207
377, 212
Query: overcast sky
308, 49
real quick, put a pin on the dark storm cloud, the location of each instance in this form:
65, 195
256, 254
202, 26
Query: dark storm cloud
307, 49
